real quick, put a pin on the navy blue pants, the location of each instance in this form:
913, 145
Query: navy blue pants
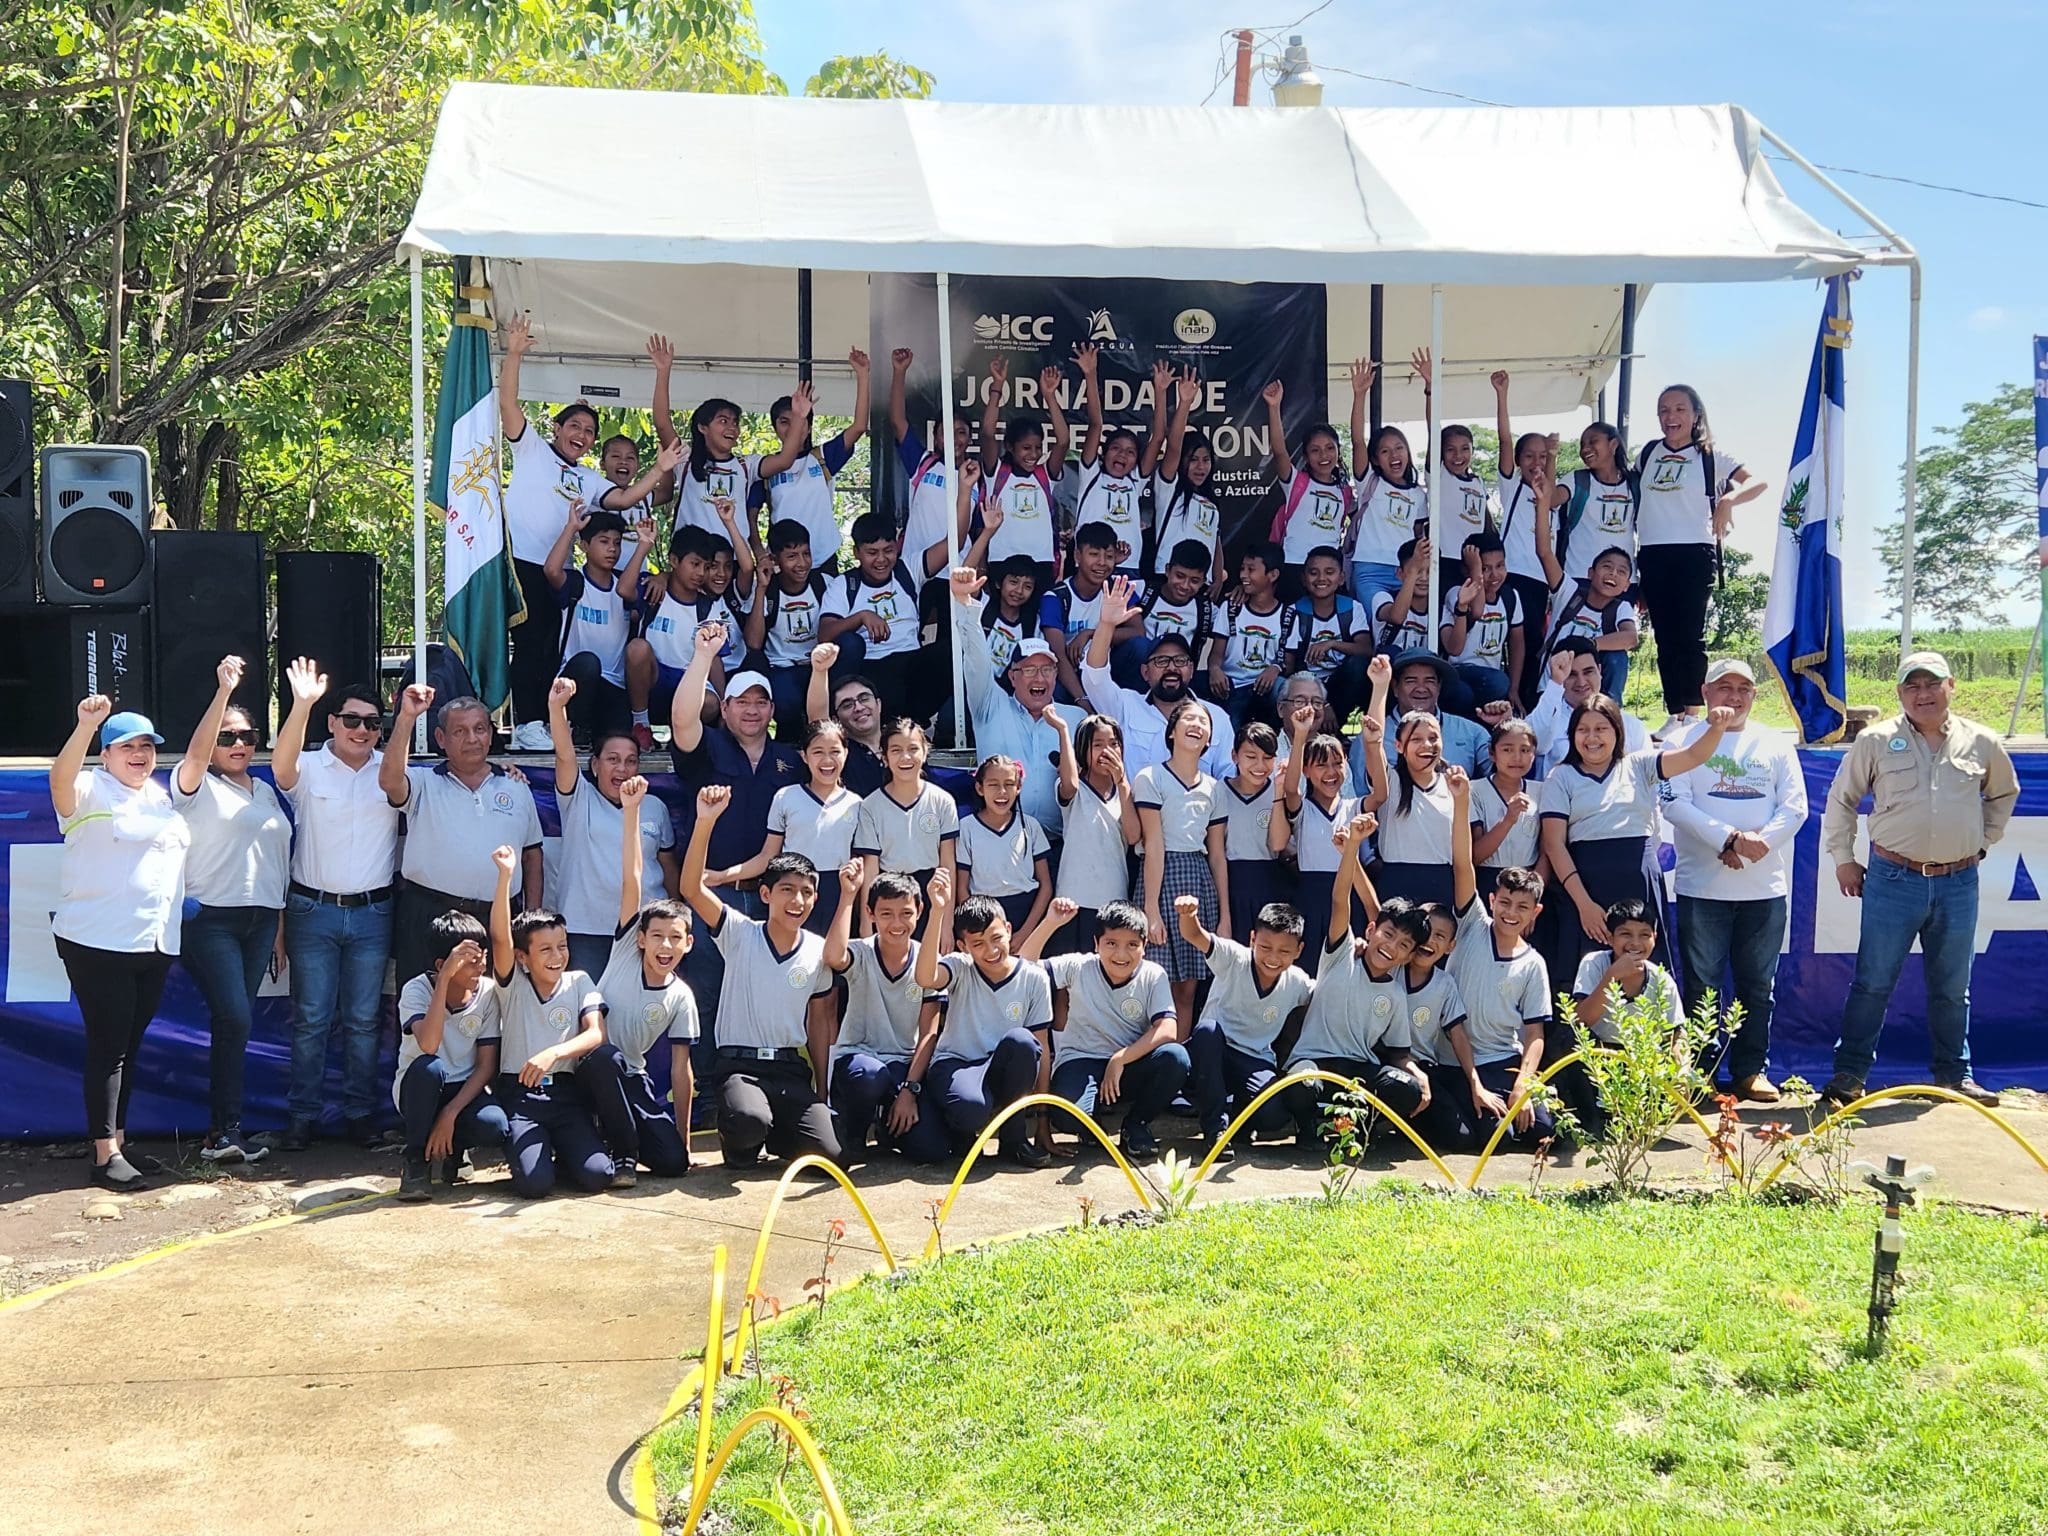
1222, 1080
969, 1094
1305, 1101
771, 1104
1447, 1123
550, 1129
1498, 1077
637, 1126
863, 1089
424, 1092
1148, 1087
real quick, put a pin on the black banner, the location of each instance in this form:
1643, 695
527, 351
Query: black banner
1236, 336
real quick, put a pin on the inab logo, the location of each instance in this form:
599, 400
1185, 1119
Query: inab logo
1194, 326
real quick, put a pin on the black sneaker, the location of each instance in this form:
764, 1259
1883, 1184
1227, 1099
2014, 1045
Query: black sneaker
1138, 1141
1223, 1151
231, 1146
1029, 1154
415, 1186
451, 1169
1842, 1090
119, 1175
298, 1135
141, 1161
624, 1175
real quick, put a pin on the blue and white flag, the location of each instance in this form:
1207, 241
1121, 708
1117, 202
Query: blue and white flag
2041, 472
1803, 638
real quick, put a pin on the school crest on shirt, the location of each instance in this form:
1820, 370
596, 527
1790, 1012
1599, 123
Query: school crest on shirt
469, 1026
1268, 1014
558, 1017
502, 800
799, 976
1265, 820
650, 1013
1508, 989
928, 821
1013, 1011
1421, 1016
1382, 1009
1130, 1007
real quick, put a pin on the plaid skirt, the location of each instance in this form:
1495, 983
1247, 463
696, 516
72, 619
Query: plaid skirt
1186, 874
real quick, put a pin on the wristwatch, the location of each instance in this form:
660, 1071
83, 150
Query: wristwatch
912, 1087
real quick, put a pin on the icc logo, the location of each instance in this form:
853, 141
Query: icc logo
1020, 328
1100, 326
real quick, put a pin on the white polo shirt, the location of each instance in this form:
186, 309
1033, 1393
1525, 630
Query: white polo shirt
593, 838
241, 843
464, 1029
348, 832
121, 880
451, 830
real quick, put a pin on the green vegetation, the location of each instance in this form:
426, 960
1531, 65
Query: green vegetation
1429, 1365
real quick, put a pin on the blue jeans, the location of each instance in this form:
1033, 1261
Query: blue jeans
1900, 905
1613, 673
1717, 938
337, 957
225, 950
1369, 576
422, 1094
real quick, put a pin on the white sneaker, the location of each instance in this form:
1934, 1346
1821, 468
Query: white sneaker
532, 737
1672, 726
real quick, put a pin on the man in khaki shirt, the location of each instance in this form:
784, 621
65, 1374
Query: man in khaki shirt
1941, 790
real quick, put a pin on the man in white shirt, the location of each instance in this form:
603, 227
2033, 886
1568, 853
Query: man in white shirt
1734, 819
1574, 678
1168, 667
338, 910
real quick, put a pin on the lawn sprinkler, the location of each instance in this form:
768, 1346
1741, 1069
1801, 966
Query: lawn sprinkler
1896, 1183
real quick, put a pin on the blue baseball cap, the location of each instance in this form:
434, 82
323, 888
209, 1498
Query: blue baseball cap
126, 726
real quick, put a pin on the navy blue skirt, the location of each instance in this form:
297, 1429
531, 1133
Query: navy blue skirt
820, 920
1418, 882
1253, 883
1611, 869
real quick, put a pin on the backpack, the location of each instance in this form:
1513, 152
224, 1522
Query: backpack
773, 603
1203, 612
854, 580
1708, 479
1582, 492
1576, 604
1297, 492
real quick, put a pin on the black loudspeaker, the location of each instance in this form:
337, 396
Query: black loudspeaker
17, 495
50, 658
95, 512
209, 602
330, 607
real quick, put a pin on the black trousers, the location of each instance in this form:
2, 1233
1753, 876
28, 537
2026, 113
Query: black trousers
599, 705
1677, 580
536, 644
773, 1104
117, 997
1534, 600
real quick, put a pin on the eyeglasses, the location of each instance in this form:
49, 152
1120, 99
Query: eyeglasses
863, 697
1174, 663
249, 738
361, 722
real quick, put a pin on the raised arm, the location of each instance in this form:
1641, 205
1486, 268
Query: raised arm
1464, 880
938, 923
803, 403
1116, 610
977, 665
754, 624
93, 711
1086, 357
518, 341
992, 413
839, 935
505, 861
199, 751
632, 856
309, 686
1506, 434
667, 458
663, 356
1070, 765
415, 700
1155, 435
686, 711
1186, 390
818, 691
557, 563
712, 800
1057, 916
1187, 912
1678, 760
1363, 371
1276, 430
463, 969
1061, 434
857, 362
899, 410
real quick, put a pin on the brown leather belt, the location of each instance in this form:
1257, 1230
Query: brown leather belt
1929, 871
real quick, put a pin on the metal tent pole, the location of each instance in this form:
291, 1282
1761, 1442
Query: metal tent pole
1377, 346
1436, 466
419, 497
1628, 359
803, 324
1912, 488
952, 498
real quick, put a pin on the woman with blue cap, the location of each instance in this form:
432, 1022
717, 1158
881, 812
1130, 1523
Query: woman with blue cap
121, 890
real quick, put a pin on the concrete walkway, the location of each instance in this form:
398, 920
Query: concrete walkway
485, 1363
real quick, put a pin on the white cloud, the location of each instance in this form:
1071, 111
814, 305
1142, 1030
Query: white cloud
1988, 318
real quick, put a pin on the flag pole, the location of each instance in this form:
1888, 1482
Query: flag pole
952, 497
419, 498
1436, 470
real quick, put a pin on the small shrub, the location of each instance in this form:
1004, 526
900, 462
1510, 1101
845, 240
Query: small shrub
1645, 1077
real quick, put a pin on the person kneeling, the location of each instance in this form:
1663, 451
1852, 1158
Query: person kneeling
992, 1045
773, 1005
447, 1056
886, 1040
1622, 972
550, 1018
1357, 1024
1256, 993
1116, 1043
645, 1002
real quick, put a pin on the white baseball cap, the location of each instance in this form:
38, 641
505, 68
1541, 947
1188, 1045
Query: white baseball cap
740, 682
1731, 666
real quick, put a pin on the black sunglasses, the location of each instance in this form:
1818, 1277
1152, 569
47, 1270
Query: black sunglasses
248, 738
361, 722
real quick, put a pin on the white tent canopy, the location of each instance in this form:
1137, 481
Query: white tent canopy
700, 210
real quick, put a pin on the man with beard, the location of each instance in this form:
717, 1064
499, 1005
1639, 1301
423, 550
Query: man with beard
1419, 678
1142, 716
1016, 724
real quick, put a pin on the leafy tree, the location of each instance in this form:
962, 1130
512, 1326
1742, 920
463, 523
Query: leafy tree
1974, 528
873, 77
1735, 607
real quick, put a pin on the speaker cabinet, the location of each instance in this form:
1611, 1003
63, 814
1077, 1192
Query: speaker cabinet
17, 494
50, 658
330, 608
209, 602
95, 512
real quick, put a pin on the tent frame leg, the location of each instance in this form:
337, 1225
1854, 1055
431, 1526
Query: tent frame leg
419, 497
1436, 466
945, 302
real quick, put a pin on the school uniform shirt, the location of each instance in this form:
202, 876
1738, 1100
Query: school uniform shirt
1353, 1015
1659, 991
347, 840
594, 619
1186, 811
1253, 641
980, 1012
1387, 515
1144, 727
931, 504
1094, 870
1003, 636
1246, 821
1500, 993
1345, 622
730, 479
1753, 783
1189, 620
669, 625
1518, 515
1518, 850
726, 609
1571, 617
1466, 743
637, 1015
893, 600
1433, 1008
765, 1001
1318, 518
1606, 520
1112, 499
1001, 861
1181, 518
790, 621
907, 839
464, 1029
1469, 508
1250, 1016
121, 878
587, 873
1622, 802
1066, 610
1486, 631
529, 1023
1408, 632
451, 830
540, 491
882, 1006
1028, 503
1423, 836
1551, 720
241, 854
820, 830
1677, 505
1103, 1018
1314, 853
803, 493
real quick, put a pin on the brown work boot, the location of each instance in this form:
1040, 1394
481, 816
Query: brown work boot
1756, 1088
1972, 1090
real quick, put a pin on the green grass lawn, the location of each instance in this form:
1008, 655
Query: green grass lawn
1416, 1364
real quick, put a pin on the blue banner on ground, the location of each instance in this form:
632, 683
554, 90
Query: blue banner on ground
42, 1045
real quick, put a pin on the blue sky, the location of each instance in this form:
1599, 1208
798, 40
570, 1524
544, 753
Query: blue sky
1934, 94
